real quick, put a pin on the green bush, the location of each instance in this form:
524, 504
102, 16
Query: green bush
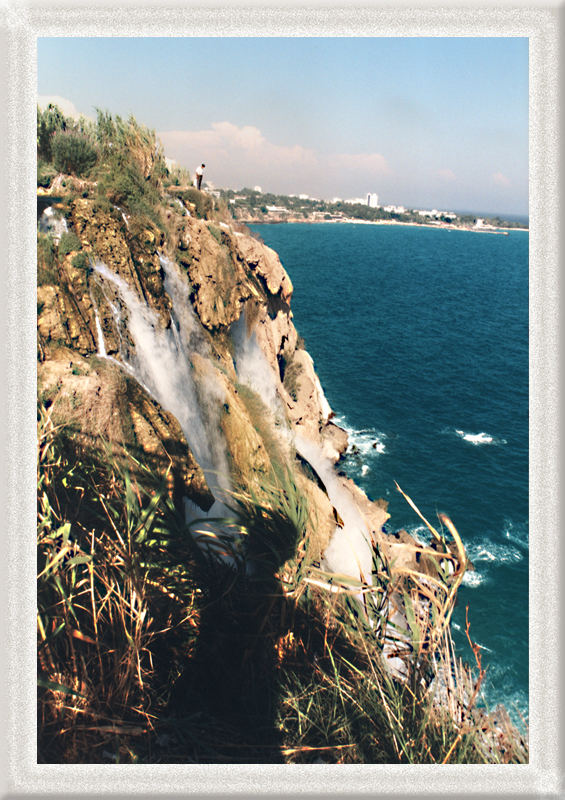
68, 243
48, 122
125, 185
80, 261
45, 174
216, 233
102, 205
46, 260
73, 152
202, 202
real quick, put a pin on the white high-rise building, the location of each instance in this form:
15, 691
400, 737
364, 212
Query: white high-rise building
372, 200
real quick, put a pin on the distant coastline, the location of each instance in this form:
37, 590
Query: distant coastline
351, 220
252, 206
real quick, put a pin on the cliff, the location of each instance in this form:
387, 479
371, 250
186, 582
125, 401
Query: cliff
96, 376
195, 533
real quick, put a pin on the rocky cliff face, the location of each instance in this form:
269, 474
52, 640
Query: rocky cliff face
111, 312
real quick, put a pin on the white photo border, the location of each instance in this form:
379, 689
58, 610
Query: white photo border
20, 26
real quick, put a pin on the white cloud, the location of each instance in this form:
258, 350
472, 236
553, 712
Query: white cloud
446, 174
67, 106
500, 179
373, 163
224, 141
243, 156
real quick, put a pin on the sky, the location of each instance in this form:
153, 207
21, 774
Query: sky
423, 122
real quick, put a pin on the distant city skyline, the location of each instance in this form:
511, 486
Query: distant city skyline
423, 122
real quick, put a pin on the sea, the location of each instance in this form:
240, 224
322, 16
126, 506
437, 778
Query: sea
420, 339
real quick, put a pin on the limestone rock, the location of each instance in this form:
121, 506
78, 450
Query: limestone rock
335, 441
104, 406
306, 404
220, 286
267, 264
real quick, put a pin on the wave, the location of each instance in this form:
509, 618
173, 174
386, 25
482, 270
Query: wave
500, 687
421, 533
472, 579
517, 533
493, 552
479, 438
363, 441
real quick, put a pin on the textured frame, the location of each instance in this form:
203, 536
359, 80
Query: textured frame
20, 25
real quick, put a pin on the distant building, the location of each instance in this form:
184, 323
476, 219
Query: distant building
395, 209
356, 201
303, 197
373, 200
336, 200
258, 189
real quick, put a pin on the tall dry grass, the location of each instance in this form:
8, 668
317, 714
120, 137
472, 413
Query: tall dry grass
151, 648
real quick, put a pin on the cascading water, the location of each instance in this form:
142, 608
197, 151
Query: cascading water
162, 363
252, 367
100, 335
53, 223
182, 205
124, 215
350, 550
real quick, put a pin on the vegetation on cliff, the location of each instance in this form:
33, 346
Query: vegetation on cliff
251, 205
227, 639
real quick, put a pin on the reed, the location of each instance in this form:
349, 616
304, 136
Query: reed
115, 602
152, 649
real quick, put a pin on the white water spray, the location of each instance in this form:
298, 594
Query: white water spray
179, 202
350, 551
100, 335
252, 367
53, 223
162, 364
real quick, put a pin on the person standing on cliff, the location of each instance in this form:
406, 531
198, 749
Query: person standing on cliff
199, 173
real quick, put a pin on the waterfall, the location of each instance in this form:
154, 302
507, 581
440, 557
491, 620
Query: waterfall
162, 363
52, 222
99, 335
179, 202
350, 551
124, 215
252, 367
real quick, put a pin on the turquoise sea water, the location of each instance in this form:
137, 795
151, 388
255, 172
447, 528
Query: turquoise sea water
420, 340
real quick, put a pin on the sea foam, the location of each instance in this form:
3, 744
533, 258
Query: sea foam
363, 441
479, 438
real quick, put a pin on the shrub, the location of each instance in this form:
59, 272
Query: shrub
102, 205
216, 233
46, 260
80, 261
45, 174
73, 152
202, 202
48, 122
124, 185
68, 242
